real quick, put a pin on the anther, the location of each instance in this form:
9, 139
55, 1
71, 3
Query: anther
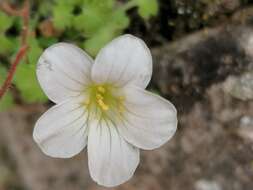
102, 104
99, 96
101, 89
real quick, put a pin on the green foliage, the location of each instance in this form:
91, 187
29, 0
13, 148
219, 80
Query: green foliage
88, 23
25, 77
98, 21
46, 42
34, 52
62, 16
147, 8
7, 44
90, 20
7, 101
25, 80
92, 45
104, 28
5, 22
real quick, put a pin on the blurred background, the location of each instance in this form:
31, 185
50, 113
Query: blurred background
203, 62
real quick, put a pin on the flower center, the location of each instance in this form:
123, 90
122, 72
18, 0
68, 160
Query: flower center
104, 100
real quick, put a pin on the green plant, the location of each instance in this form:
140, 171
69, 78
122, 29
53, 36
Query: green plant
88, 23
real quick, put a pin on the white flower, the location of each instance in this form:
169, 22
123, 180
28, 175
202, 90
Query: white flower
102, 104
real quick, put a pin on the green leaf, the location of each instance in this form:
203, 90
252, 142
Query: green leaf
70, 3
146, 9
62, 16
5, 22
7, 100
34, 52
95, 14
119, 20
3, 73
25, 80
25, 77
99, 22
89, 21
44, 8
47, 41
102, 5
8, 44
18, 23
96, 42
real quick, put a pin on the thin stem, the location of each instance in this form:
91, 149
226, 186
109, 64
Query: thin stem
7, 83
24, 13
25, 16
5, 7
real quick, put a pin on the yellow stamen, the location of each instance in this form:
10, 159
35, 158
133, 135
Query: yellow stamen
105, 98
101, 89
99, 96
102, 104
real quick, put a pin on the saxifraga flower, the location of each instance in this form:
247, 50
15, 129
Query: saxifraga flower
103, 105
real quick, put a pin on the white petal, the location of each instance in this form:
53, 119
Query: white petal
149, 120
112, 161
126, 60
63, 71
61, 131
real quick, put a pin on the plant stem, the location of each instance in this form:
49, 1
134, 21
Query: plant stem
7, 82
24, 13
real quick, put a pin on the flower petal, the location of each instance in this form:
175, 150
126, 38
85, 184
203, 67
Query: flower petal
149, 120
61, 131
126, 60
63, 71
112, 160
